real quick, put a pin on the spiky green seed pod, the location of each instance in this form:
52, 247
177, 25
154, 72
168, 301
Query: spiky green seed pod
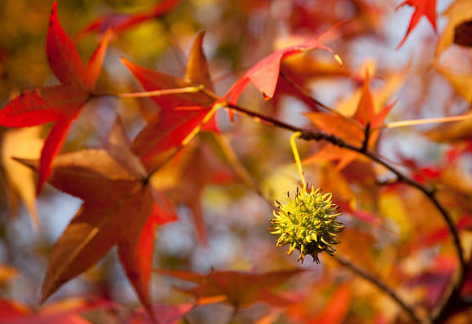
307, 223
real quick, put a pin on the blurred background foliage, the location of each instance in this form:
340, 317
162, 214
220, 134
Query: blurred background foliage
390, 230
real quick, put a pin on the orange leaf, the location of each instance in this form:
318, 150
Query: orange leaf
197, 70
241, 289
351, 130
336, 310
338, 125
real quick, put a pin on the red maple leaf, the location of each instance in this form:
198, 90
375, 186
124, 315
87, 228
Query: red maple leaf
180, 114
197, 73
265, 74
164, 131
425, 8
62, 103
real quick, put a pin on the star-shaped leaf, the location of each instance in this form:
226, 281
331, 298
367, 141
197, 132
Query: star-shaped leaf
196, 74
180, 114
62, 103
425, 8
351, 130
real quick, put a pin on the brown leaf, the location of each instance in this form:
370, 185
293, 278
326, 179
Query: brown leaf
463, 34
197, 70
120, 208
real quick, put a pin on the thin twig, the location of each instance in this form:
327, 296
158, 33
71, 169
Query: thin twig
416, 122
156, 93
379, 284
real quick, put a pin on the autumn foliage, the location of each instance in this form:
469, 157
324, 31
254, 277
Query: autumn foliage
190, 118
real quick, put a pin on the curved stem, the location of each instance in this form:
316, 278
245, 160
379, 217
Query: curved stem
297, 157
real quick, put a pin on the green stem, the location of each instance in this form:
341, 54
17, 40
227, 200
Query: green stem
297, 157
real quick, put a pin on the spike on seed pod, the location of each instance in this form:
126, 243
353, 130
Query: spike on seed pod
308, 223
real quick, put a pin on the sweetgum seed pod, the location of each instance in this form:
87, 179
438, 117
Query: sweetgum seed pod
307, 223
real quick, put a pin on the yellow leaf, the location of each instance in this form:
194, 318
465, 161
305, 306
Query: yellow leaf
22, 143
462, 83
392, 207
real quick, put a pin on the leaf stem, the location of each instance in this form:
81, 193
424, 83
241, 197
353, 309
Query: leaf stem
297, 157
416, 122
155, 93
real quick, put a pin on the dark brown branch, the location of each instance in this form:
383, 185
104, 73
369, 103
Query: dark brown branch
366, 137
381, 285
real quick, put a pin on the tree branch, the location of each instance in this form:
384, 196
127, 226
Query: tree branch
381, 285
